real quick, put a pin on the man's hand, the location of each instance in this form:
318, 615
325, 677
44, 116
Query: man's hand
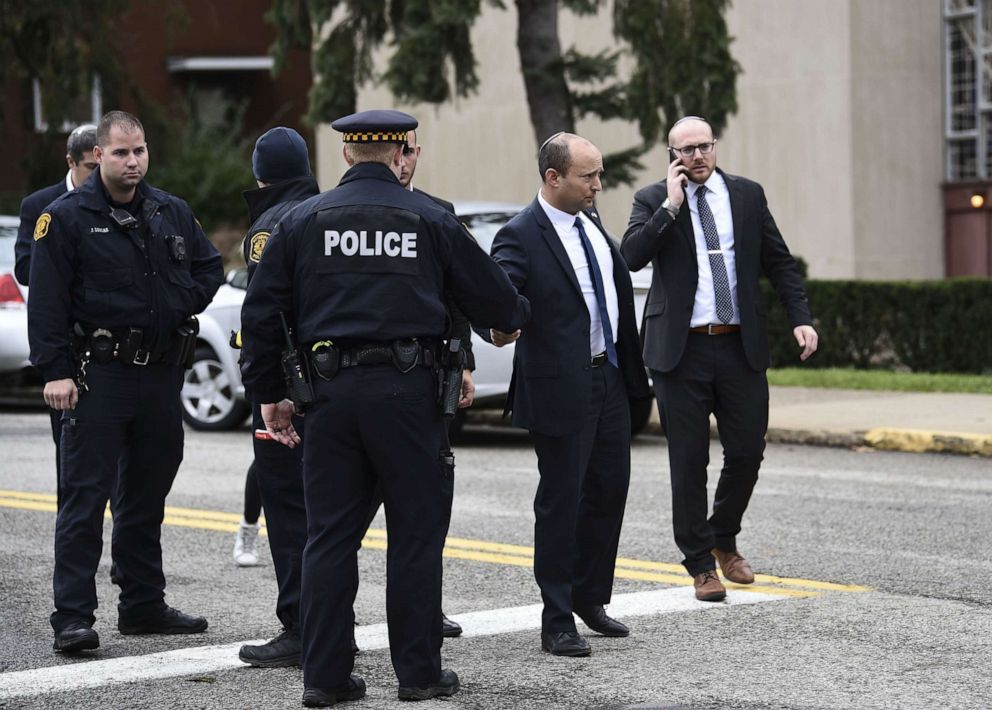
675, 183
278, 419
61, 394
500, 338
807, 339
468, 390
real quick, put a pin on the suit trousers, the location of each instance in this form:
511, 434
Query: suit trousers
127, 429
580, 503
373, 425
713, 376
279, 474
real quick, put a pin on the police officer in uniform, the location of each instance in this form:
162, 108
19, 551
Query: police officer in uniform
118, 270
360, 272
282, 168
79, 158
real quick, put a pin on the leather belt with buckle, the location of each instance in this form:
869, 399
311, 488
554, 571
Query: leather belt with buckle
718, 329
599, 360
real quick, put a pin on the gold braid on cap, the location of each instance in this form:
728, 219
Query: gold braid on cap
376, 137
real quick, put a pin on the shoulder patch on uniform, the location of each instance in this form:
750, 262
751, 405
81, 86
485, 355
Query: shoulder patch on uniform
41, 226
256, 244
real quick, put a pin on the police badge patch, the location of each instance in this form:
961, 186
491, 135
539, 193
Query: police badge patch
256, 244
41, 226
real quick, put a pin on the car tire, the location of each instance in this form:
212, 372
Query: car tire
640, 414
207, 398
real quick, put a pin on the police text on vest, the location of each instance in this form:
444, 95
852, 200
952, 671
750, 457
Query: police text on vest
350, 243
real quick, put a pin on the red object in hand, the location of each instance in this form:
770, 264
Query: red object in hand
263, 435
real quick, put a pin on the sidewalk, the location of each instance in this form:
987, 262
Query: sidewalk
894, 421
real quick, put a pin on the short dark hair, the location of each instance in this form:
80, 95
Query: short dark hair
125, 121
554, 154
80, 141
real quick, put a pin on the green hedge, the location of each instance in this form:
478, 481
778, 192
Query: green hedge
922, 326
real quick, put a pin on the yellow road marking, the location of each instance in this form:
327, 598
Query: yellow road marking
467, 549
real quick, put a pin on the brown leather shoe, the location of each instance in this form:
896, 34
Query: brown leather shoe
734, 567
708, 586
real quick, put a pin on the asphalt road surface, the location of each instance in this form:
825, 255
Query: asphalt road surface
871, 592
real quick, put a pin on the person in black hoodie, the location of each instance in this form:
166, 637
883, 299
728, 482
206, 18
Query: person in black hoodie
281, 166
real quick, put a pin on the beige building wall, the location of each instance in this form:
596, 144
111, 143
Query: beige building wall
839, 118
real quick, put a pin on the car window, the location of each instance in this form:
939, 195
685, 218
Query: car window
8, 235
484, 226
238, 279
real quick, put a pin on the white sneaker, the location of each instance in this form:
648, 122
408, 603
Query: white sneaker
246, 544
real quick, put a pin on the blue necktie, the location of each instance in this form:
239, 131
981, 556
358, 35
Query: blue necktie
597, 284
718, 267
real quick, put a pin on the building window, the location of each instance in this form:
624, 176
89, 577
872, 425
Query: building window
88, 109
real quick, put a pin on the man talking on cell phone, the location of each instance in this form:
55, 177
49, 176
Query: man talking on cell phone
711, 238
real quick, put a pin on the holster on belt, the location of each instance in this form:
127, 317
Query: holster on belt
185, 342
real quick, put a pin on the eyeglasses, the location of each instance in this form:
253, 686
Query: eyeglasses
687, 151
409, 149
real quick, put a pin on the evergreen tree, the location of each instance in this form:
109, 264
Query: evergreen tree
680, 48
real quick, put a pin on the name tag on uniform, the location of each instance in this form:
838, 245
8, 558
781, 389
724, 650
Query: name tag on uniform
368, 239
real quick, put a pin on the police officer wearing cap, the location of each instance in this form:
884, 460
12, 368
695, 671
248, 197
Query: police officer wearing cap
282, 168
360, 273
118, 270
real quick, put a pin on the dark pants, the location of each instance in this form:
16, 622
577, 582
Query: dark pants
580, 502
373, 425
127, 428
712, 377
279, 474
253, 498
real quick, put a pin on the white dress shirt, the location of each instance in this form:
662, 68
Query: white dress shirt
718, 199
69, 187
568, 233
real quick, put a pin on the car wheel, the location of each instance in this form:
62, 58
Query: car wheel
640, 414
208, 399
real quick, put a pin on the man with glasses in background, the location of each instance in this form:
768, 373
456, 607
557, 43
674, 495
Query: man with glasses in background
711, 238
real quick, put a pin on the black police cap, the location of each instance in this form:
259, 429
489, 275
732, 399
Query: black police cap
376, 126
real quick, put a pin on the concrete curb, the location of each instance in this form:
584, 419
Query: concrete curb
881, 438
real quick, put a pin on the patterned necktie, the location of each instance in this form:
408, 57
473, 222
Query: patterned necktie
718, 267
597, 284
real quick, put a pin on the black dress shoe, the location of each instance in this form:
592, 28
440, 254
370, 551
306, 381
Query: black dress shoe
596, 619
447, 684
354, 689
167, 621
75, 637
283, 651
565, 643
449, 628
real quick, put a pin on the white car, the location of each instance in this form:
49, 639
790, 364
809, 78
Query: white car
14, 350
213, 396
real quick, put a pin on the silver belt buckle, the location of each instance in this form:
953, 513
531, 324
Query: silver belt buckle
138, 360
709, 329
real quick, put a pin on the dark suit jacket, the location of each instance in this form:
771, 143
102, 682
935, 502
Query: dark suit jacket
31, 208
460, 327
652, 236
552, 376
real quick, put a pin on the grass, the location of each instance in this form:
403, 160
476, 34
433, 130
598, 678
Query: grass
837, 378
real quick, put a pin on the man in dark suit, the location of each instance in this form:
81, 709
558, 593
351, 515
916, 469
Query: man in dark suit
460, 328
577, 363
711, 237
79, 157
